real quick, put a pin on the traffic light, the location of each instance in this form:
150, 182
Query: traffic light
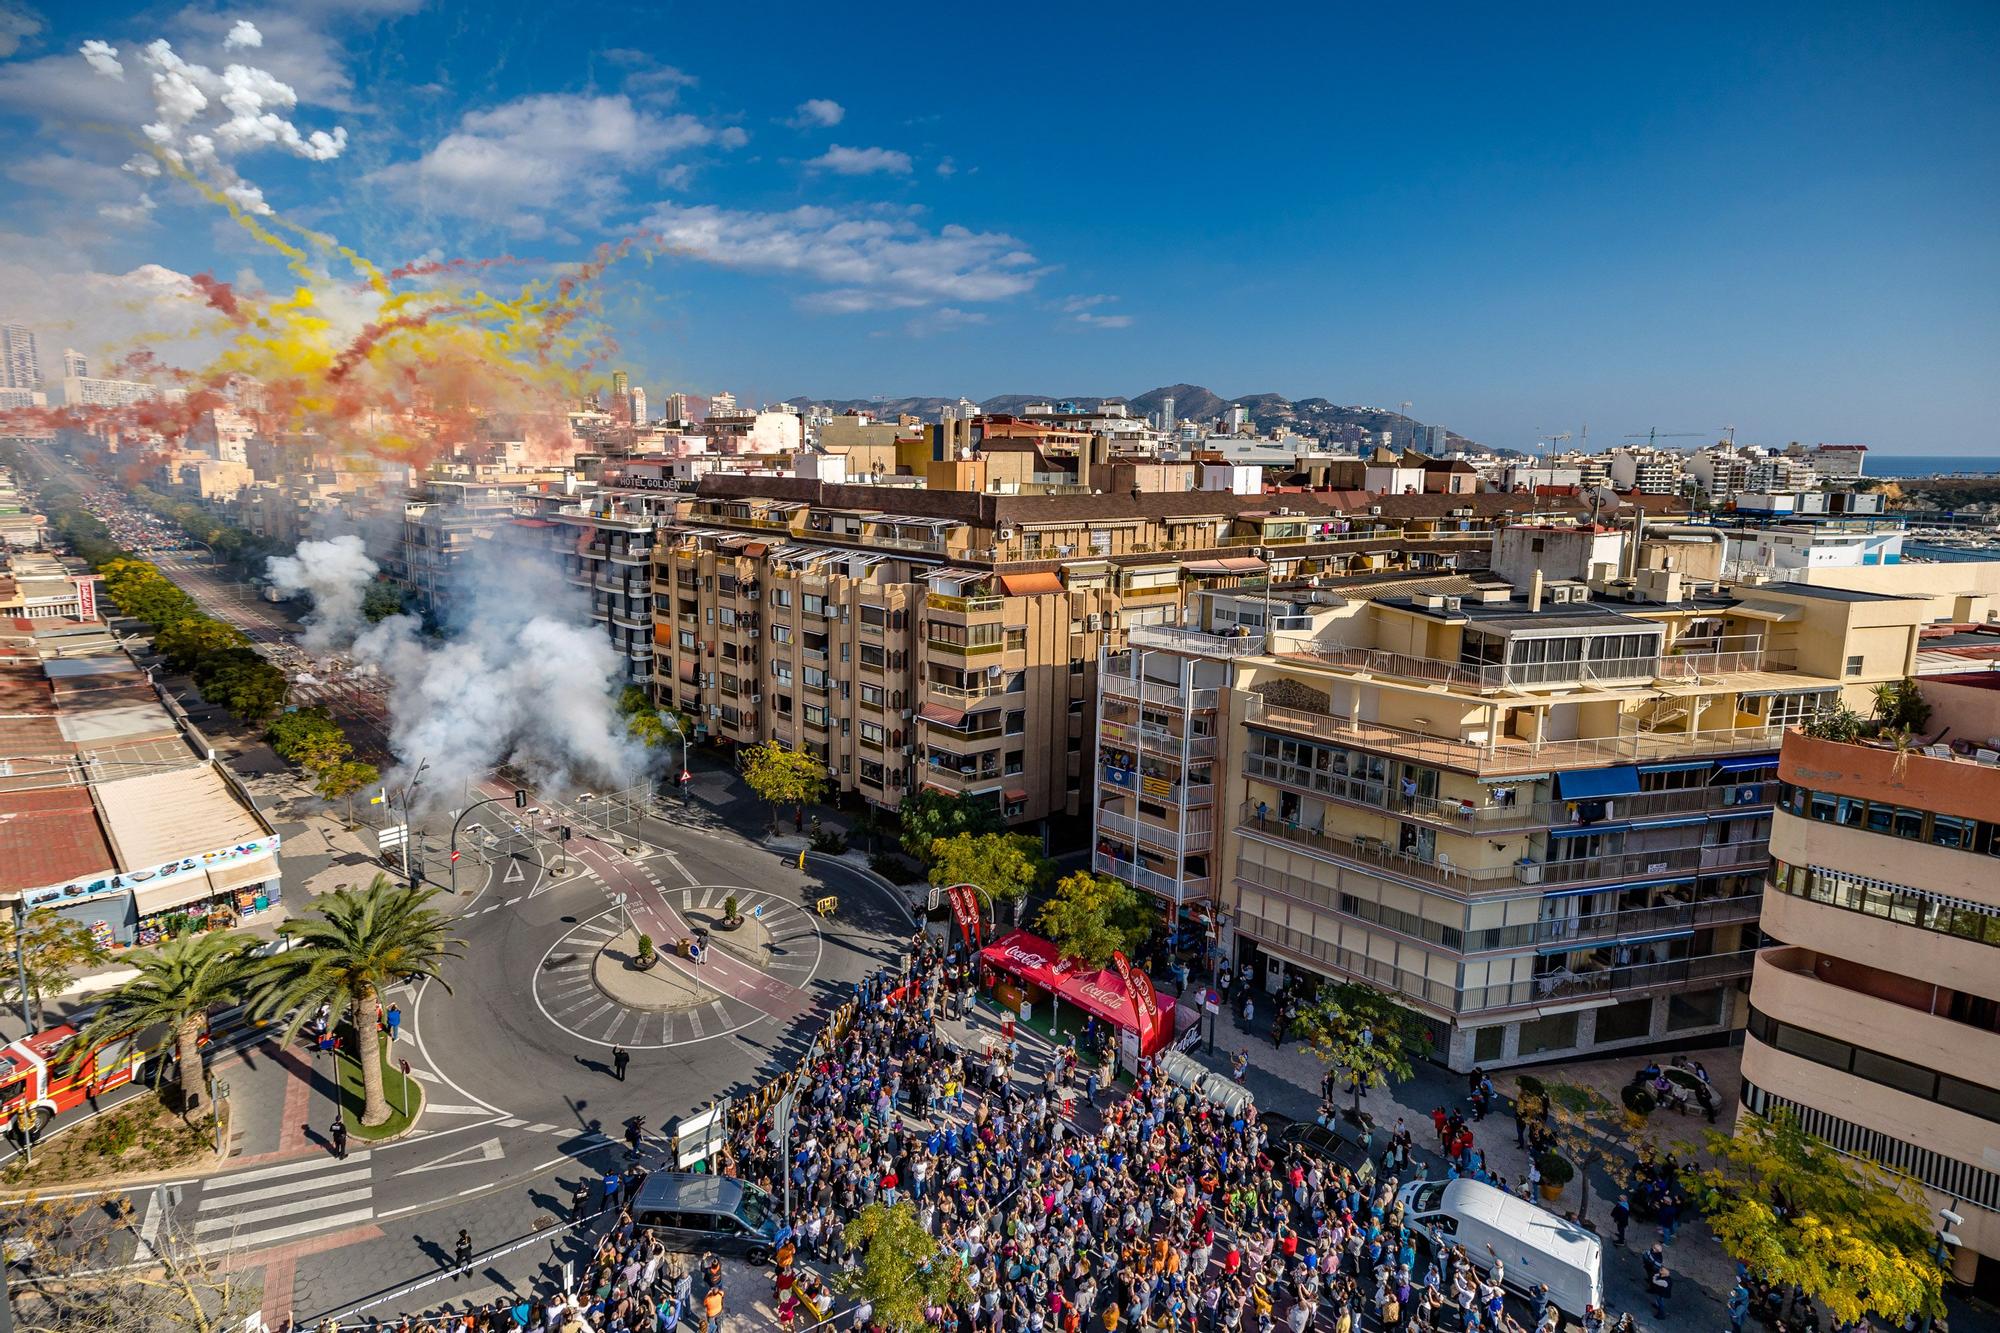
520, 799
565, 833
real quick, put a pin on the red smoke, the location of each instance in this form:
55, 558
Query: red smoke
218, 294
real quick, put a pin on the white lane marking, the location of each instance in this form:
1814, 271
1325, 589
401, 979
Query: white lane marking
280, 1210
541, 1129
261, 1238
616, 1023
512, 1123
290, 1187
695, 1018
457, 1110
486, 1151
285, 1169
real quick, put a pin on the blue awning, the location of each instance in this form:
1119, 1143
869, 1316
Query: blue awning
1742, 812
1571, 946
1675, 768
1683, 822
1597, 783
1580, 830
1746, 763
1618, 888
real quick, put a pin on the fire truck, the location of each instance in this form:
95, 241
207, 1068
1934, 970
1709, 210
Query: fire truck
35, 1084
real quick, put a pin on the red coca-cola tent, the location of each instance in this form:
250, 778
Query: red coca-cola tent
1097, 991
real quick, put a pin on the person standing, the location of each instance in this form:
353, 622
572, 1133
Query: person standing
461, 1255
620, 1057
711, 1308
1739, 1306
1661, 1284
1621, 1214
393, 1022
338, 1133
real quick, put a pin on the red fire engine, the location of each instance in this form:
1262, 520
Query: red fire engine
34, 1080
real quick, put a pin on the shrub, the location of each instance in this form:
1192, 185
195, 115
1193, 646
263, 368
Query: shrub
1637, 1100
729, 907
1556, 1169
645, 946
832, 842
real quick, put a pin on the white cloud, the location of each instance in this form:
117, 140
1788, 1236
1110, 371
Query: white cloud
1104, 321
866, 261
947, 167
17, 24
55, 291
822, 112
945, 319
243, 34
103, 58
862, 161
546, 151
1072, 304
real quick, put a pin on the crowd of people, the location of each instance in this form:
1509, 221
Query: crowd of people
1156, 1212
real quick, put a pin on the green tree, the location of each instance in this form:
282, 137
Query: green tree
341, 780
53, 950
1090, 916
382, 600
243, 682
1837, 723
929, 815
1364, 1034
301, 731
1856, 1239
178, 984
352, 948
185, 642
1585, 1127
1006, 865
1901, 706
904, 1271
784, 777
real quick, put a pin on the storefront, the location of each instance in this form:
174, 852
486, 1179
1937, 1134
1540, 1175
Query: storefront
1024, 975
140, 907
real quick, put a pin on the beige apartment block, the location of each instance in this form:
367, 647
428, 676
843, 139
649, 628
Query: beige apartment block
950, 639
1537, 816
1875, 1008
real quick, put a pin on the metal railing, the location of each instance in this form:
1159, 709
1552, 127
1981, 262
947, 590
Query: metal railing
1198, 836
1195, 641
1152, 692
1505, 755
1170, 887
963, 692
966, 649
1565, 985
1136, 738
938, 601
1436, 671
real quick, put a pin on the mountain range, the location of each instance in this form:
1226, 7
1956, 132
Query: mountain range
1319, 418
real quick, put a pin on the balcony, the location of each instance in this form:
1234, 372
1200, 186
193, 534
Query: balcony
1173, 889
1152, 739
632, 619
1151, 692
1173, 842
1194, 642
1659, 861
1506, 755
1155, 787
1562, 986
962, 606
1602, 926
1478, 679
962, 693
966, 649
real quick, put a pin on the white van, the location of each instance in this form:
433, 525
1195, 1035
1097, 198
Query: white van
1535, 1245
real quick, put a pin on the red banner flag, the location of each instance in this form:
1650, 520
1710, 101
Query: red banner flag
1146, 1012
965, 910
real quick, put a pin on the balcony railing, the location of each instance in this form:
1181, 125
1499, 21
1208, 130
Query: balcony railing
1172, 888
938, 690
1152, 739
1194, 641
1633, 921
1152, 692
1156, 788
1198, 838
937, 601
1436, 671
1554, 987
965, 649
1501, 756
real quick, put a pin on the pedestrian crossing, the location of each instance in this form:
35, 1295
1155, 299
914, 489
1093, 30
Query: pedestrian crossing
266, 1205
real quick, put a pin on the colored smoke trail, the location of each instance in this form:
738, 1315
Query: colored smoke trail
400, 364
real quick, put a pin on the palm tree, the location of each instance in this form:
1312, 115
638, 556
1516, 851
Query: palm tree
356, 946
178, 984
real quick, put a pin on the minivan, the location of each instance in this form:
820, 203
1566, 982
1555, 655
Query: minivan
699, 1212
1537, 1245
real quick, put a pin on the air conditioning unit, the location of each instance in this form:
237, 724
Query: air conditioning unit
908, 714
756, 698
1375, 510
1453, 603
1094, 622
909, 750
715, 710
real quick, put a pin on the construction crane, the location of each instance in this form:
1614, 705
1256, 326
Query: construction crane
1729, 436
1655, 433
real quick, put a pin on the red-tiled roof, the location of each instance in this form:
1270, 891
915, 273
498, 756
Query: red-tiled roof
47, 837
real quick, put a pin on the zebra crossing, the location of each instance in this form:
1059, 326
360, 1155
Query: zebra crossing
266, 1205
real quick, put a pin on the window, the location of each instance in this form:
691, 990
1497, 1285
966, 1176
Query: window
687, 640
872, 655
781, 597
815, 715
815, 679
782, 704
1554, 1033
782, 673
871, 695
872, 733
1625, 1022
874, 616
729, 683
1013, 764
1017, 722
781, 634
871, 772
813, 604
1017, 640
1854, 665
728, 617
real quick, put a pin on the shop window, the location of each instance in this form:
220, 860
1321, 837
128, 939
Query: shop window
1557, 1032
1488, 1043
1695, 1009
1625, 1022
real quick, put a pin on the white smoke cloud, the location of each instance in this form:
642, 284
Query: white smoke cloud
521, 678
335, 573
102, 57
243, 34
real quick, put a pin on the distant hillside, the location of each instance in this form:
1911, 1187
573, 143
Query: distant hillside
1318, 418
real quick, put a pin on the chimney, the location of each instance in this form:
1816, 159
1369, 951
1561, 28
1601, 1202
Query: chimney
1535, 592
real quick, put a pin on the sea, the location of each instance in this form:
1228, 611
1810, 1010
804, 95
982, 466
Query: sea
1930, 465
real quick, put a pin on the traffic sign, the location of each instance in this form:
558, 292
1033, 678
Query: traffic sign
454, 856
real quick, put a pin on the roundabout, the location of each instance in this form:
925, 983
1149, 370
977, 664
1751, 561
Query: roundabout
588, 983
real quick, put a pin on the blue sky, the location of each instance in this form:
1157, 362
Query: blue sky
1523, 222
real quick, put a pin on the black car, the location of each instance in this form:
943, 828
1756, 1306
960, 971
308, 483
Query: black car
1318, 1141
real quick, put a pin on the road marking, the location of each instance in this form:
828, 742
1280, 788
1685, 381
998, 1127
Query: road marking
457, 1110
687, 900
511, 901
541, 1129
291, 1187
511, 1123
563, 1013
487, 1151
707, 899
594, 1014
721, 1014
617, 1023
280, 1210
282, 1169
424, 1076
515, 874
694, 1017
679, 869
149, 1230
259, 1238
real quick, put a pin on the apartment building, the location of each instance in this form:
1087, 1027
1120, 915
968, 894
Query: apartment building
950, 638
1875, 1007
1654, 471
444, 523
1537, 816
605, 544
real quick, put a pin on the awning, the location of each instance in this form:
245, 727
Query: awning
939, 713
1026, 585
1746, 763
1761, 610
754, 549
1235, 564
256, 870
955, 575
1687, 822
1686, 767
1103, 993
688, 669
1593, 783
1581, 830
149, 899
1016, 793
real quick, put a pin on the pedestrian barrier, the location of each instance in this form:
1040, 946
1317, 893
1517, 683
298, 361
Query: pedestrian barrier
827, 906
